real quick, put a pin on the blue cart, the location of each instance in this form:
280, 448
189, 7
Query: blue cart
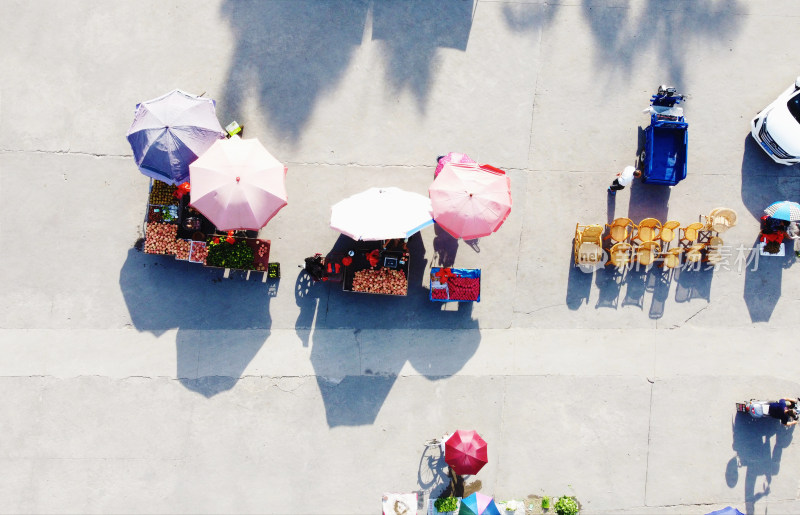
663, 159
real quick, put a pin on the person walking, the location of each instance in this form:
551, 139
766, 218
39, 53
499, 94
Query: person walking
624, 178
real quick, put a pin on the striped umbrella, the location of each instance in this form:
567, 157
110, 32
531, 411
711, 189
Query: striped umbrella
784, 210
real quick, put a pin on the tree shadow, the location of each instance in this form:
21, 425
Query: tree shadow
673, 33
221, 323
288, 54
762, 281
326, 310
751, 442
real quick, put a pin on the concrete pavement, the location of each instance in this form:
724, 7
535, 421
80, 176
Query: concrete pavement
134, 383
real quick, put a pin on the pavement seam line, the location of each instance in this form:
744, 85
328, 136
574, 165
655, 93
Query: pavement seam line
649, 429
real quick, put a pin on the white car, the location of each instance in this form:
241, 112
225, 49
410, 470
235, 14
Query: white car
777, 127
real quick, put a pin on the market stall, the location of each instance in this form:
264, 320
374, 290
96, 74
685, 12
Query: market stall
172, 227
374, 267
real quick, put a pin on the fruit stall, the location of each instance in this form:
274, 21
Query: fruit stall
376, 270
455, 284
173, 228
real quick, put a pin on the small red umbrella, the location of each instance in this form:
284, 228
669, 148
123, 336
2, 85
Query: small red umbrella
465, 452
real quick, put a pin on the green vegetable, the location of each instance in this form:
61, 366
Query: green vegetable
237, 255
546, 502
566, 506
445, 504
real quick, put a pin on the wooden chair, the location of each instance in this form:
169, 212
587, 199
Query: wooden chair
671, 259
618, 230
588, 244
694, 254
646, 253
647, 230
720, 219
692, 232
667, 233
620, 255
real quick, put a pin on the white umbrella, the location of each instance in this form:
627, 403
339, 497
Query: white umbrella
382, 214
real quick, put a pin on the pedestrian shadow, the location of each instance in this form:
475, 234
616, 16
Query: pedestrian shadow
754, 452
382, 331
288, 55
445, 247
221, 323
763, 279
648, 201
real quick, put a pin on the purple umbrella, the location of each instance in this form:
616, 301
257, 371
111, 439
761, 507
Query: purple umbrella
169, 132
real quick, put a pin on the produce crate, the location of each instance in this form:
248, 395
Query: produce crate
162, 193
389, 277
198, 252
455, 284
183, 248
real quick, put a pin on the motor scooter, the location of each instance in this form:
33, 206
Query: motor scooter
756, 408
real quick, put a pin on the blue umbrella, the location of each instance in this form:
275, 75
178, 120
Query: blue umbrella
784, 210
478, 504
170, 132
726, 511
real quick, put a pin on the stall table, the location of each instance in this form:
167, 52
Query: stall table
455, 284
376, 270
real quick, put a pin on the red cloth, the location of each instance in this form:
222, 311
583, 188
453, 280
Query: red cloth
443, 274
373, 258
776, 236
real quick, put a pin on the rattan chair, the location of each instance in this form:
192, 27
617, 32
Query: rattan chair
668, 233
647, 252
618, 230
694, 254
720, 219
647, 230
671, 259
588, 244
620, 255
692, 232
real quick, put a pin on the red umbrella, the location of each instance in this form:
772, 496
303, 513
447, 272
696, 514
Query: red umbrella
465, 452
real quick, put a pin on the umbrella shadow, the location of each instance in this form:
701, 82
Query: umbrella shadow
383, 328
762, 281
311, 45
754, 451
221, 323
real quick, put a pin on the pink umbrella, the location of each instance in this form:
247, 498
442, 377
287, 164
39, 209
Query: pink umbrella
465, 452
470, 200
452, 157
238, 184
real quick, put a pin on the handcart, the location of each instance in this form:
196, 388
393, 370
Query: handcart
663, 159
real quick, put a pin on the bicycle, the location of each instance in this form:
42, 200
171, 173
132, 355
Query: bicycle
437, 442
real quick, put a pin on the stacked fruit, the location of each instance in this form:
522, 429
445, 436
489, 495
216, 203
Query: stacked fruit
439, 293
464, 288
162, 193
199, 252
160, 238
182, 248
384, 281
